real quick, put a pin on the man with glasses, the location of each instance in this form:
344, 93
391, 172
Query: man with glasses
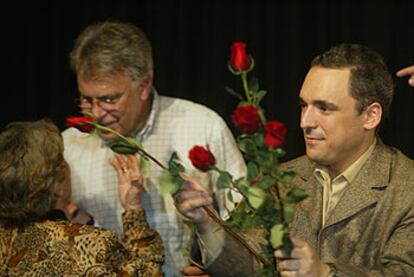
114, 68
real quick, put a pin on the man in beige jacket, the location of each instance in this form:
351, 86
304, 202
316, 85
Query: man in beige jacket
359, 217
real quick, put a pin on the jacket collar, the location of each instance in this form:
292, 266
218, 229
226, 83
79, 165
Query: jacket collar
367, 187
365, 190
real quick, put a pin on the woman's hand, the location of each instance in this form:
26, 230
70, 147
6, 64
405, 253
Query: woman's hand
129, 180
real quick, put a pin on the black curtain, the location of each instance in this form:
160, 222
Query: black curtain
191, 44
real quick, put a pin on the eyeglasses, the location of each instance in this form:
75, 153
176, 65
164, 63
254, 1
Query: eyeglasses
106, 103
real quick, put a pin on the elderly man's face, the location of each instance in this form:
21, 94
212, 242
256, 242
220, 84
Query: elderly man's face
117, 101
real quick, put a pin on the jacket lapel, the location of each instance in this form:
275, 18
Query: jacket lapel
366, 188
309, 215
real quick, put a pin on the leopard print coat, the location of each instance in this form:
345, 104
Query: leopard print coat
63, 248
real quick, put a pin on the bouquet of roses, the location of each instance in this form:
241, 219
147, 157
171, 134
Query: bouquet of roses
267, 200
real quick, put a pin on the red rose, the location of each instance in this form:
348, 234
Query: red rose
275, 133
247, 119
201, 158
82, 123
239, 60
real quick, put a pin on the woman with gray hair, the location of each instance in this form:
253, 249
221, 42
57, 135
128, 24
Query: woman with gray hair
36, 239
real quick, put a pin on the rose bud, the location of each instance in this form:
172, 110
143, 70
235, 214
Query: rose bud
239, 60
201, 158
82, 123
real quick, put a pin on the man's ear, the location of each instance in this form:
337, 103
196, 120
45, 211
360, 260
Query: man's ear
373, 115
145, 87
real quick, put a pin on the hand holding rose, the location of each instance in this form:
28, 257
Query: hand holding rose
190, 200
303, 261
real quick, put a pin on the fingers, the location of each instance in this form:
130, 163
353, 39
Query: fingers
188, 200
127, 168
135, 172
288, 265
193, 271
409, 70
191, 183
119, 164
298, 243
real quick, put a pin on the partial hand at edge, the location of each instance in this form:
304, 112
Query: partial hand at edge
191, 271
407, 71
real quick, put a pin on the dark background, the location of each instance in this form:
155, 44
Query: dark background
191, 45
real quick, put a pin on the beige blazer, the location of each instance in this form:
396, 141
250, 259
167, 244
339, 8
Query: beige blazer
369, 233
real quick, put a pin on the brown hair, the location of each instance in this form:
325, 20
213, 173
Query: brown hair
108, 48
370, 80
31, 165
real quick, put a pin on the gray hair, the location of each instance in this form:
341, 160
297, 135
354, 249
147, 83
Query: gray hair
107, 48
31, 165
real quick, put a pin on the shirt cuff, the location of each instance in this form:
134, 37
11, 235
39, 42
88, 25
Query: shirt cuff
211, 245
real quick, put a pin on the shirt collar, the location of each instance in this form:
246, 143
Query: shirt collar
321, 173
155, 107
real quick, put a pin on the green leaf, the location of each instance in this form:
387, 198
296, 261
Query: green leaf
145, 166
256, 196
247, 146
174, 164
242, 185
279, 152
258, 96
233, 92
252, 171
169, 183
287, 243
230, 196
121, 147
258, 139
266, 182
287, 176
295, 195
276, 235
289, 214
224, 180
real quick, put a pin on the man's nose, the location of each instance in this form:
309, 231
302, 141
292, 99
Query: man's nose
96, 109
308, 118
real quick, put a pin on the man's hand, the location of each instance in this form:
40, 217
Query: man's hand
407, 71
129, 180
303, 261
190, 200
193, 271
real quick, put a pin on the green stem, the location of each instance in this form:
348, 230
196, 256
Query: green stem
129, 141
282, 207
246, 86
